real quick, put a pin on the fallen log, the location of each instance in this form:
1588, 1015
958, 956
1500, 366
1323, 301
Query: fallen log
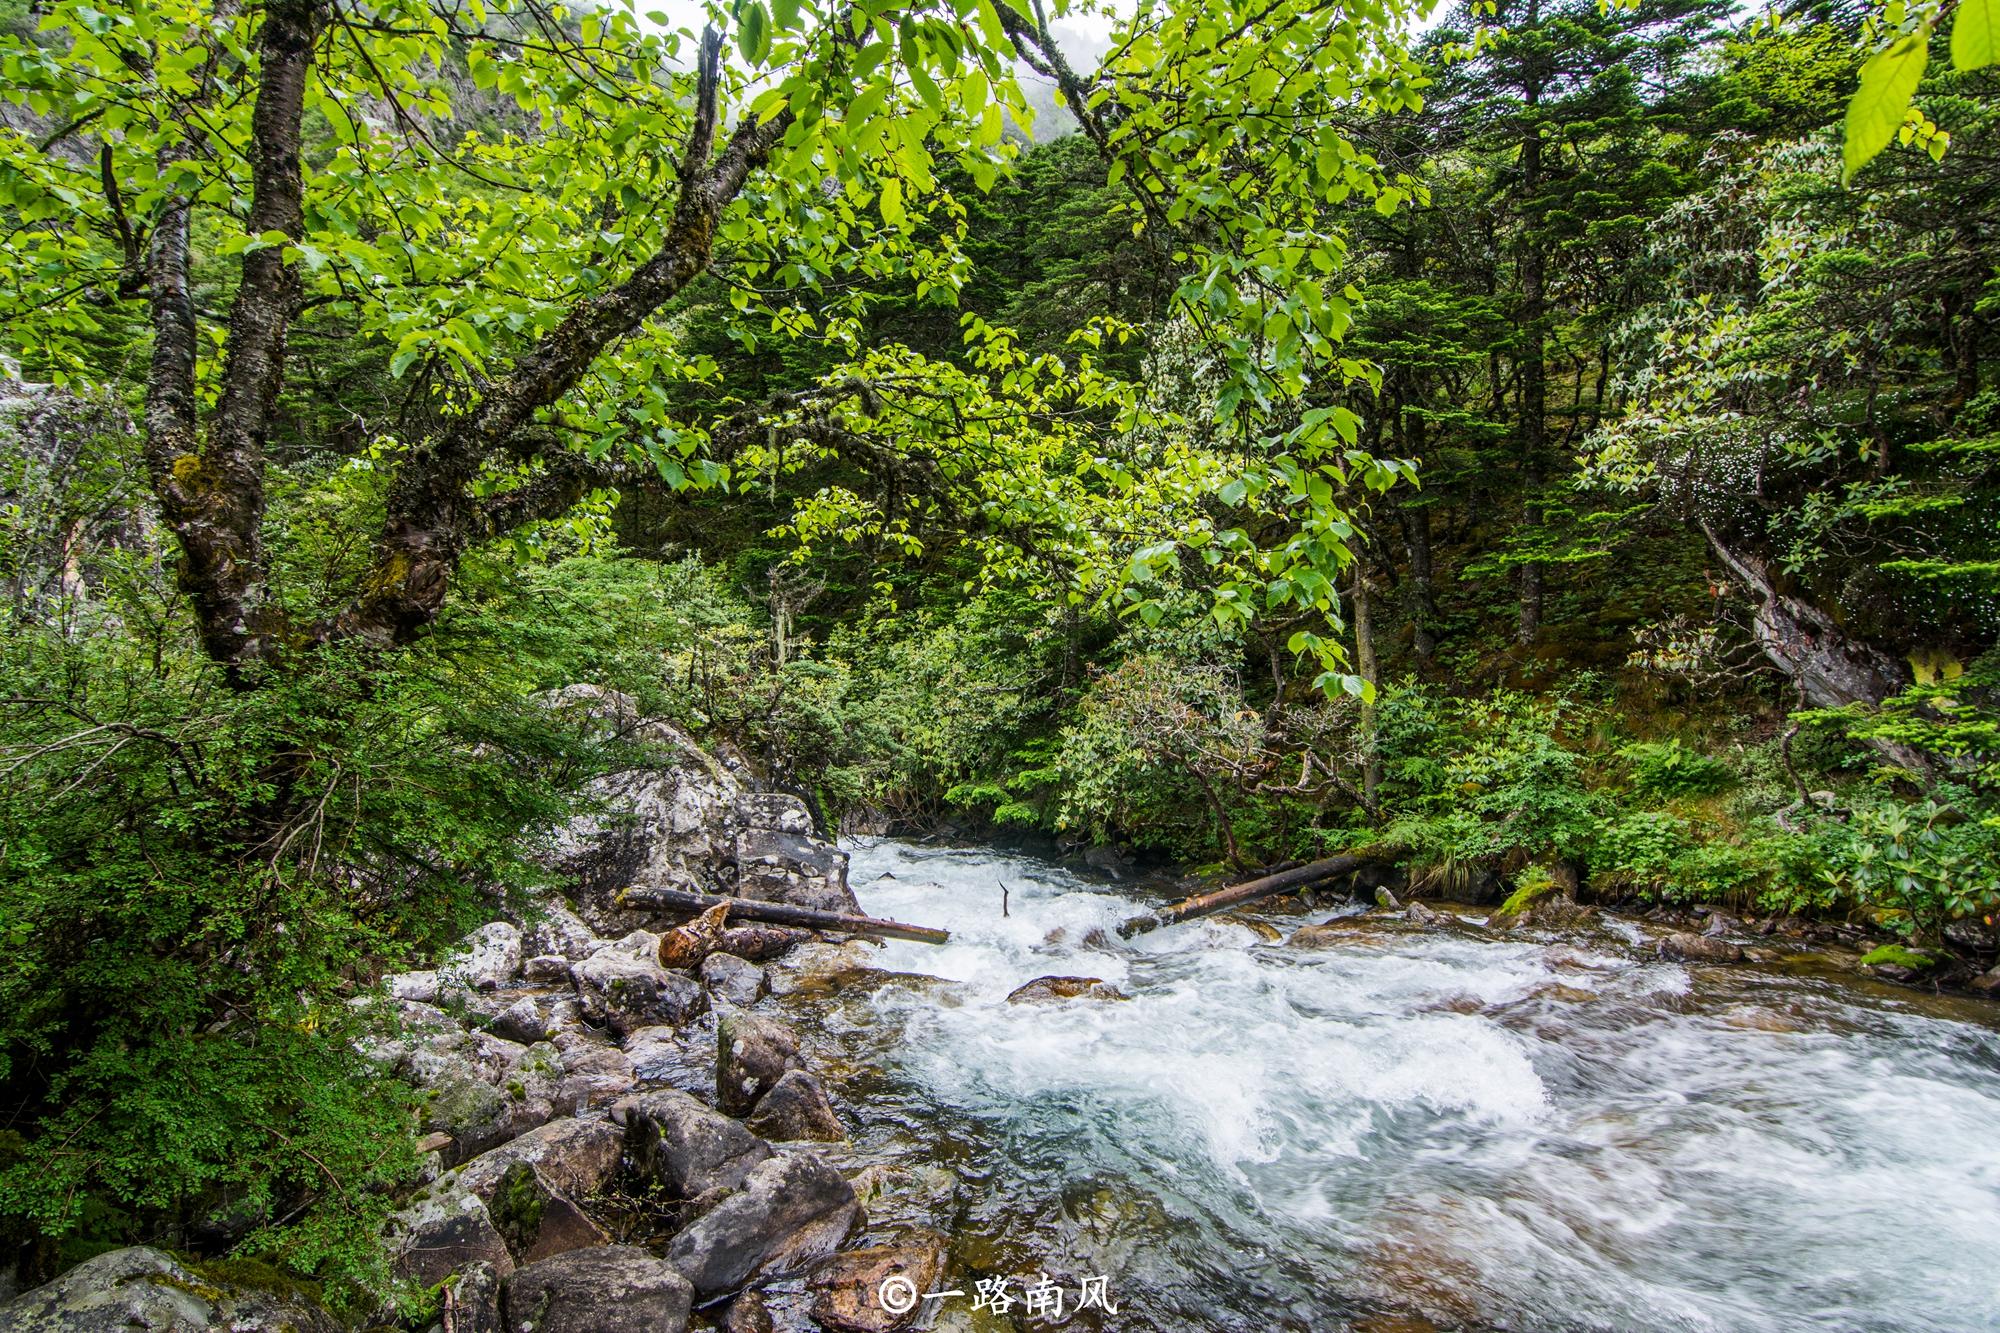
1219, 900
684, 904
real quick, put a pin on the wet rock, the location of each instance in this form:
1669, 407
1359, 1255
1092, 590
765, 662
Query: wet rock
596, 1073
683, 947
442, 1235
791, 1210
1987, 983
1721, 923
796, 1108
1699, 949
488, 958
751, 1054
479, 1115
760, 943
747, 1314
735, 980
472, 1303
1386, 900
146, 1289
847, 1289
1107, 860
684, 1147
537, 1220
1327, 934
1043, 990
681, 1058
610, 1289
777, 867
916, 1194
1896, 962
1263, 930
624, 987
1419, 915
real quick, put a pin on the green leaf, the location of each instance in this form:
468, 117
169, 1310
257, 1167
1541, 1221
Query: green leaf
1975, 34
753, 36
1888, 81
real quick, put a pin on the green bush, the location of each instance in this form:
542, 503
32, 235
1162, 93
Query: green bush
1669, 769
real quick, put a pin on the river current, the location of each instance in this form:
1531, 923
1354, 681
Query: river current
1417, 1129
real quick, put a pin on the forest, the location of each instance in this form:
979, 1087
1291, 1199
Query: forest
1537, 459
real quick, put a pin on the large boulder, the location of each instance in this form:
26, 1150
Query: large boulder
774, 866
668, 821
611, 1289
792, 1209
623, 986
1690, 948
142, 1290
445, 1234
751, 1054
575, 1156
684, 1147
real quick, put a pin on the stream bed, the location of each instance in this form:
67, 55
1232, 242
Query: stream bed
1417, 1128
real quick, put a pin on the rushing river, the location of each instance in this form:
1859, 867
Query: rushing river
1419, 1129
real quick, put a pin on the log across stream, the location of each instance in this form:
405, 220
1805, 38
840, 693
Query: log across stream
1414, 1127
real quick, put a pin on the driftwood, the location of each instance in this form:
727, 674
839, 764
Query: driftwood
1219, 900
779, 914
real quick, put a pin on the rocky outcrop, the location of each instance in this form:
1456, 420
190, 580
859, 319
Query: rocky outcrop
439, 1236
611, 1289
136, 1289
792, 1209
678, 818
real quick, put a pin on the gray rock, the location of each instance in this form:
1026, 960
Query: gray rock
546, 968
1987, 983
610, 1289
488, 958
624, 987
667, 1057
671, 821
796, 1108
1699, 949
751, 1055
735, 980
747, 1314
781, 812
684, 1147
804, 871
422, 987
791, 1210
142, 1289
472, 1303
553, 930
526, 1020
577, 1157
438, 1236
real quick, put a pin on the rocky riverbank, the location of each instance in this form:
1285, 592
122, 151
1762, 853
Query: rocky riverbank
626, 1131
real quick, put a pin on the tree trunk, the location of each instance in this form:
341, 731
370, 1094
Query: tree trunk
1220, 900
1830, 667
1367, 667
1534, 351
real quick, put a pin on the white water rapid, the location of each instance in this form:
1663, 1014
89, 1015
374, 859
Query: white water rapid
1419, 1129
